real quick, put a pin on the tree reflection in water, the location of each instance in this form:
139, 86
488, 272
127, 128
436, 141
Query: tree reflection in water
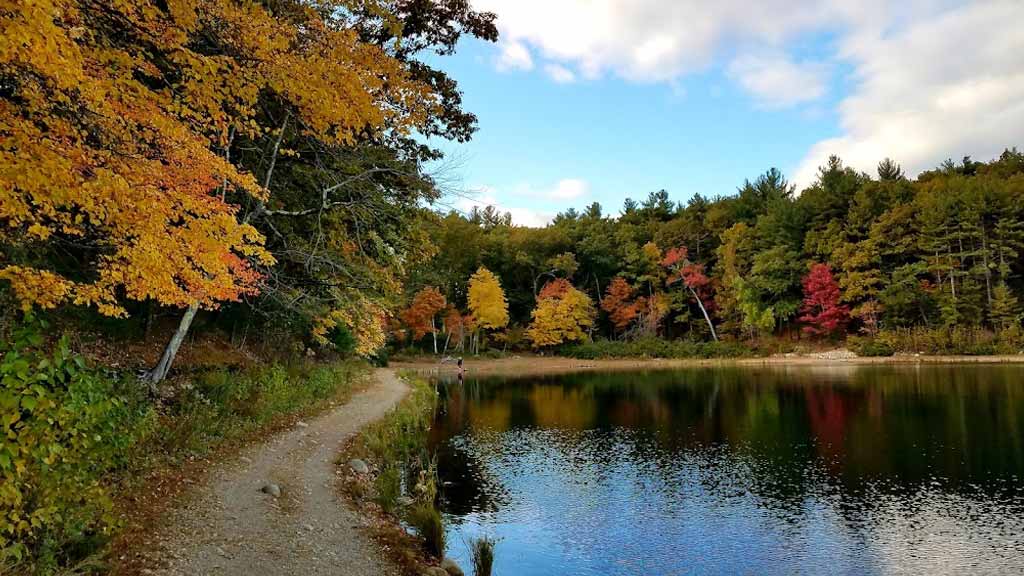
776, 469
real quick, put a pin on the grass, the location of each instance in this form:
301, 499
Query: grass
397, 444
426, 520
221, 405
482, 552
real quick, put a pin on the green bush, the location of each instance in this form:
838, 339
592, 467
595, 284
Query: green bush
870, 347
650, 347
222, 404
958, 340
343, 340
65, 429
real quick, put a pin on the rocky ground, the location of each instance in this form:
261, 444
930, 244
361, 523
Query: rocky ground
274, 509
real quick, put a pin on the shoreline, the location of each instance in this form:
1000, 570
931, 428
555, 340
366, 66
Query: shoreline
541, 365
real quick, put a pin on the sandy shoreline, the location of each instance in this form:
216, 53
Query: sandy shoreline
527, 364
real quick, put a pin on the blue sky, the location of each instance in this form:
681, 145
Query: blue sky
607, 99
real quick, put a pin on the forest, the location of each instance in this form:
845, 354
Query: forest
181, 169
254, 185
931, 262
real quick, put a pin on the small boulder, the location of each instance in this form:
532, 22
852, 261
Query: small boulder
451, 568
405, 501
302, 424
358, 466
272, 489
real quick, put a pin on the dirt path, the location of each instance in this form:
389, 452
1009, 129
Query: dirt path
228, 526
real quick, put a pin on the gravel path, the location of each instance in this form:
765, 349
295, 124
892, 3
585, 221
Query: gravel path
229, 526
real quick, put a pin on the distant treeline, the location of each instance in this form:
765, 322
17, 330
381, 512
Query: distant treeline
851, 254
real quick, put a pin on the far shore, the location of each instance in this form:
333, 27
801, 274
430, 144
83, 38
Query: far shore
531, 364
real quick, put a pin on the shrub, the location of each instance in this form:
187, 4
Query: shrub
65, 428
343, 340
651, 347
482, 552
964, 340
870, 347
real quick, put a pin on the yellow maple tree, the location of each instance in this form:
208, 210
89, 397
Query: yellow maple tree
563, 314
487, 301
115, 122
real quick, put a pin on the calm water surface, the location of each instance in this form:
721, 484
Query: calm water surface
798, 470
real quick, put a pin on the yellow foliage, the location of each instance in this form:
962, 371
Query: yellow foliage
113, 134
562, 317
487, 302
365, 319
45, 289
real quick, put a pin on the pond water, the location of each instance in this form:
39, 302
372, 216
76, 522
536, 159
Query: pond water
780, 470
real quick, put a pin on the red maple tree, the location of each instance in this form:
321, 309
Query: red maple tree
692, 275
821, 311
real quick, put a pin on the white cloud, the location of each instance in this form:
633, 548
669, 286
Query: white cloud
776, 81
560, 73
520, 216
929, 79
658, 40
945, 86
568, 189
563, 192
514, 56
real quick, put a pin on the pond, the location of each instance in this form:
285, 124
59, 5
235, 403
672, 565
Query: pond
736, 470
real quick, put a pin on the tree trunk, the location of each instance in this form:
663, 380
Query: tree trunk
159, 372
984, 260
705, 312
433, 332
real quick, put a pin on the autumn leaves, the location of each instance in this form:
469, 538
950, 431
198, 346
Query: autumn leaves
563, 314
117, 122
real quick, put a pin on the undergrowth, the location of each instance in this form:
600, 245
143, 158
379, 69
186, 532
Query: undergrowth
651, 347
72, 436
958, 340
396, 445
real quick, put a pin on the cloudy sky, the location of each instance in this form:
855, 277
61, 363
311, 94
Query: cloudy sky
597, 100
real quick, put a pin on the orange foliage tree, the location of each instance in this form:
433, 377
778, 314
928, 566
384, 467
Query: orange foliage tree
455, 324
421, 313
621, 303
115, 122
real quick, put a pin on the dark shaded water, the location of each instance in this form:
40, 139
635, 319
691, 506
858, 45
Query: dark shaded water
798, 470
